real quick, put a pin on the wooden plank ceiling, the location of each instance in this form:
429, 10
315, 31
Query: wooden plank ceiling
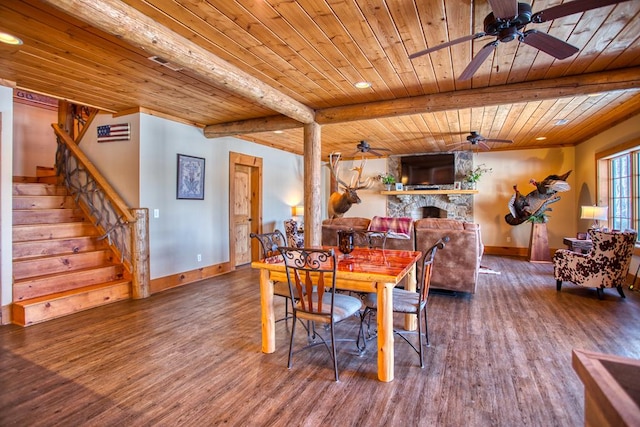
304, 57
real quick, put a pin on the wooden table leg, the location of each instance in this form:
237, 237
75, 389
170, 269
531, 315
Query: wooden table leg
268, 315
410, 320
385, 331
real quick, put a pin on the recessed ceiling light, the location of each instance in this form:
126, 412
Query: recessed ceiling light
278, 131
9, 39
363, 85
562, 122
541, 138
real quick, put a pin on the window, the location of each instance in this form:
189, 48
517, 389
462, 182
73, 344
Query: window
619, 186
621, 202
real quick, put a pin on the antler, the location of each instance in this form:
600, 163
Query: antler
355, 181
356, 184
334, 166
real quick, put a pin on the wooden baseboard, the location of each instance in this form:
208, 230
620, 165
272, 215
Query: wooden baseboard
175, 280
5, 314
506, 251
511, 251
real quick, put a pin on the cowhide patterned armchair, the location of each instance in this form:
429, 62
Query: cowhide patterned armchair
606, 266
294, 238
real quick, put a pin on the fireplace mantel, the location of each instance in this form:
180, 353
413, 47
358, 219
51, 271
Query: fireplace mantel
420, 192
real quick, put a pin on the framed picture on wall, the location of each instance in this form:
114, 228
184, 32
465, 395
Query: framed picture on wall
190, 177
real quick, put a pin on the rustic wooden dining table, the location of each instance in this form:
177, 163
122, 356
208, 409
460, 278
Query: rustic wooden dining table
364, 270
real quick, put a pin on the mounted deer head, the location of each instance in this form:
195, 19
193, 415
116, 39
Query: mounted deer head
339, 203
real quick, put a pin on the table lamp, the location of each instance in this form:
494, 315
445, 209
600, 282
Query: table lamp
297, 212
594, 213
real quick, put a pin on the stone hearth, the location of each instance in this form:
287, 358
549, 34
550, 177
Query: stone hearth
456, 206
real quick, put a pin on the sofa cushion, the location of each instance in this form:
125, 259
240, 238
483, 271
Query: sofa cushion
457, 265
330, 228
441, 224
398, 227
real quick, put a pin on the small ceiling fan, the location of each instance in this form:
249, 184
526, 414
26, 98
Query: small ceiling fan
507, 20
364, 147
478, 140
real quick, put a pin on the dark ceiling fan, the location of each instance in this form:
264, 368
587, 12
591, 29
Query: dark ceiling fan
507, 20
364, 147
478, 140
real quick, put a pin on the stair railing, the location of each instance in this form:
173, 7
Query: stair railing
125, 229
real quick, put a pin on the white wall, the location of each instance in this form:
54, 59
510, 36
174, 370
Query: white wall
119, 161
6, 179
186, 228
37, 143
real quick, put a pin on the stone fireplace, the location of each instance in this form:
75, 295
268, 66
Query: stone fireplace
418, 206
434, 204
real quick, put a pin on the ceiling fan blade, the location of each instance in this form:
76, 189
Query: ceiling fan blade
484, 146
570, 8
478, 60
548, 44
381, 149
455, 145
504, 9
506, 141
376, 153
447, 44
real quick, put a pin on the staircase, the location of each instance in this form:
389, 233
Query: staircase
59, 264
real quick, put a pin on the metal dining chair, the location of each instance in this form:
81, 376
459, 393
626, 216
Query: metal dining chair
269, 242
312, 273
370, 239
407, 302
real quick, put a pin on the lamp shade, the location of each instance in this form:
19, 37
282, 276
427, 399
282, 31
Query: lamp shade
595, 213
297, 210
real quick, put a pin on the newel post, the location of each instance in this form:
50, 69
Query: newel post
140, 254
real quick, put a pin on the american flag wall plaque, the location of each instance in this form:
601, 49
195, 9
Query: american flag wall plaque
111, 133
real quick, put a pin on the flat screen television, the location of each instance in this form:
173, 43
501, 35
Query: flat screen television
428, 169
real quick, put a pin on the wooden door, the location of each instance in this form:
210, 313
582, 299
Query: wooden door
242, 214
245, 207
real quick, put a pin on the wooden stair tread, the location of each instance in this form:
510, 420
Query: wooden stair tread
38, 189
52, 247
32, 267
75, 291
41, 309
34, 232
48, 284
63, 274
47, 216
43, 202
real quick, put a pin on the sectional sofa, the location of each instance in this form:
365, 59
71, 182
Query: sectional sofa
456, 267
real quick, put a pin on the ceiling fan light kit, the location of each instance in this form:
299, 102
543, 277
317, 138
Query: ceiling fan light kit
509, 18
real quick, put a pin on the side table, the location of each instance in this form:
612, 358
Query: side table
575, 245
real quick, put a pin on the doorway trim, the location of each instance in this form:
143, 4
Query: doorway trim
256, 201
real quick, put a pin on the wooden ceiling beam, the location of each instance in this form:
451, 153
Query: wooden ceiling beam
125, 22
583, 84
243, 127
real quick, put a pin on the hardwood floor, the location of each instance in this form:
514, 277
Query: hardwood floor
191, 356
